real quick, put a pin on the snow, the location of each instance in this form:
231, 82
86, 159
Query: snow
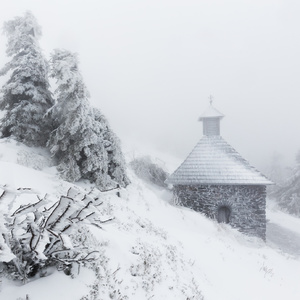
154, 250
56, 286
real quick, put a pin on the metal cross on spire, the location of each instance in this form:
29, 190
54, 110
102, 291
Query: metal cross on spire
211, 98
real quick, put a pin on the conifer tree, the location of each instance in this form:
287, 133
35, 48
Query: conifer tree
116, 170
78, 140
25, 96
288, 195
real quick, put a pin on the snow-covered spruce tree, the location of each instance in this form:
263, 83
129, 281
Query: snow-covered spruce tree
288, 195
25, 96
78, 139
116, 169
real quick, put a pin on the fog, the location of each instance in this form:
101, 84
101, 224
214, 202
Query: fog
151, 65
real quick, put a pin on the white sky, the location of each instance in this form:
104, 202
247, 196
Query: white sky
150, 65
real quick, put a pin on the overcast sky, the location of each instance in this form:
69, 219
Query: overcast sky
150, 66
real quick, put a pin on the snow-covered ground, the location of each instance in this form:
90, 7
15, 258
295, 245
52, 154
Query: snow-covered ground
283, 231
155, 250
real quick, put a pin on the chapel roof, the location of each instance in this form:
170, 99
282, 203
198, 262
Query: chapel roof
211, 112
214, 162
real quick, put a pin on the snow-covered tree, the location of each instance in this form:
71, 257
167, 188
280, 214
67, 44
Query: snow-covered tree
25, 96
72, 116
275, 169
79, 141
288, 194
116, 169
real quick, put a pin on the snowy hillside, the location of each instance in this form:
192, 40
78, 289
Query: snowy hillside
152, 249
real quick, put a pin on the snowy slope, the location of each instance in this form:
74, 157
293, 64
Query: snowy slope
154, 250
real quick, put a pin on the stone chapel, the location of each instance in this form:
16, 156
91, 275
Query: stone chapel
216, 180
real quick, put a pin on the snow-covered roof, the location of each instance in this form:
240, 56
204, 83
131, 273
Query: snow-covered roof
214, 161
211, 112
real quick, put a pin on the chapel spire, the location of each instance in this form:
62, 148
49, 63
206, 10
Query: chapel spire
211, 120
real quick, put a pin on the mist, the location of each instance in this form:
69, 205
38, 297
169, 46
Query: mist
150, 66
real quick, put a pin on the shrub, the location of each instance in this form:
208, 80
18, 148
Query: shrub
149, 171
42, 235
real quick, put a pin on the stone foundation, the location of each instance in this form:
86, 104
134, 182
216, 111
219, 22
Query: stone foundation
245, 205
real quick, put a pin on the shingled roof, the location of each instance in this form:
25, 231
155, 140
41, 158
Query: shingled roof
214, 162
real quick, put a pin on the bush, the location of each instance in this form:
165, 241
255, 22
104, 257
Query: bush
145, 169
41, 235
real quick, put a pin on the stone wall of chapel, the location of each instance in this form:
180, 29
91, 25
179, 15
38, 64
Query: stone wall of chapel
247, 204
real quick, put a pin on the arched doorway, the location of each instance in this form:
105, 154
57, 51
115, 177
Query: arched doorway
223, 214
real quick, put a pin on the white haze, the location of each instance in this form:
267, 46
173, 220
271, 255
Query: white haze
151, 65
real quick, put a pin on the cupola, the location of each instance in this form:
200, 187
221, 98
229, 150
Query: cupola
211, 121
